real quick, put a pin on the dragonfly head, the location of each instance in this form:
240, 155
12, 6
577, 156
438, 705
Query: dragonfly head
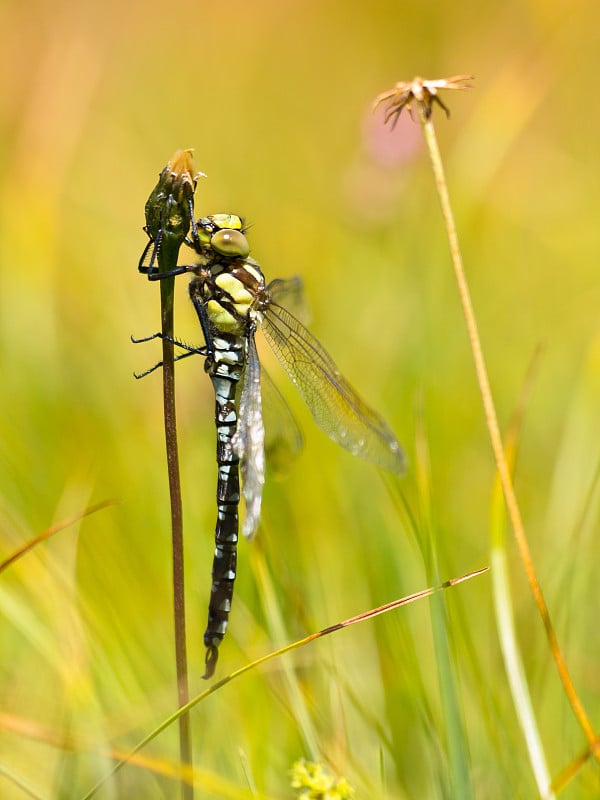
224, 234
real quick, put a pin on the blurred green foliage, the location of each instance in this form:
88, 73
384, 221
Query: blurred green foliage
275, 98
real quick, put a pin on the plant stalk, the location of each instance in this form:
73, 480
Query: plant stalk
493, 427
169, 215
170, 422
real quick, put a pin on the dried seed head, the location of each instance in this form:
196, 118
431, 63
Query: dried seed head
181, 167
421, 92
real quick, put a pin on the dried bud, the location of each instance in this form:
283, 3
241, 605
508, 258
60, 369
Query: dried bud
423, 93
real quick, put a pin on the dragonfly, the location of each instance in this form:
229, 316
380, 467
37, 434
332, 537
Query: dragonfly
232, 300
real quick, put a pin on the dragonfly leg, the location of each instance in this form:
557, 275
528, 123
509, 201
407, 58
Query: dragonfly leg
139, 375
202, 316
150, 269
147, 338
195, 237
195, 351
155, 245
169, 273
190, 351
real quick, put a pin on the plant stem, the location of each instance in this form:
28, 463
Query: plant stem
491, 419
169, 215
183, 696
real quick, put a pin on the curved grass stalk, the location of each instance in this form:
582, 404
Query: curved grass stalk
183, 710
59, 526
504, 611
278, 634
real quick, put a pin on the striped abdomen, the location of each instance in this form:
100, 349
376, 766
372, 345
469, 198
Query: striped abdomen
222, 294
225, 369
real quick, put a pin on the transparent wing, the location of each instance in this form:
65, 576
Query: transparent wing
283, 440
335, 406
289, 293
249, 441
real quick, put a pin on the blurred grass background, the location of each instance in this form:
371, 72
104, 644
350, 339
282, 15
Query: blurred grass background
275, 98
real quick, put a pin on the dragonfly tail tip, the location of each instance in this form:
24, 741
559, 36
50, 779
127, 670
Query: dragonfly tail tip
212, 655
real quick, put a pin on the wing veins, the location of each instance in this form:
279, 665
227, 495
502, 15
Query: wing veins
301, 355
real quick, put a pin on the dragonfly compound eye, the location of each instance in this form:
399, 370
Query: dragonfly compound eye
231, 243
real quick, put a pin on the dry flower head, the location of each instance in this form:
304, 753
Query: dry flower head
421, 92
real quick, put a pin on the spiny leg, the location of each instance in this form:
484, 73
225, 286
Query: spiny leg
191, 350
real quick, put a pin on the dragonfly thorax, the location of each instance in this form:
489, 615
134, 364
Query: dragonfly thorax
228, 289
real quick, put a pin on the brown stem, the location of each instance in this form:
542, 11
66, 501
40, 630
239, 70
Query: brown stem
491, 419
185, 747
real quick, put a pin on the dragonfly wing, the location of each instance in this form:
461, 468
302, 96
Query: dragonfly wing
283, 440
336, 407
289, 293
249, 441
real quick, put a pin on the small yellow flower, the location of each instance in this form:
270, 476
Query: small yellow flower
420, 91
314, 782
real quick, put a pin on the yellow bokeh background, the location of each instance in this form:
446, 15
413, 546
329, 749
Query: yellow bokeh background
275, 99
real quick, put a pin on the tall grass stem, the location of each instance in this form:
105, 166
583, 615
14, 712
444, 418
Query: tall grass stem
491, 419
